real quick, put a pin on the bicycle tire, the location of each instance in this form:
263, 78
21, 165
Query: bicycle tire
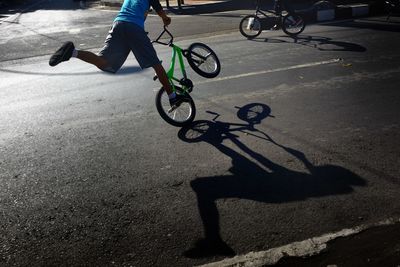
293, 24
199, 131
250, 26
180, 117
203, 60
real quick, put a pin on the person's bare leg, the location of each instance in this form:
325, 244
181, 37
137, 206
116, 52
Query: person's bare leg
92, 58
162, 77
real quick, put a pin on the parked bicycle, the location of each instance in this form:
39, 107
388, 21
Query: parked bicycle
203, 60
281, 17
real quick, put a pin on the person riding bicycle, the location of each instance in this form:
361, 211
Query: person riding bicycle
127, 34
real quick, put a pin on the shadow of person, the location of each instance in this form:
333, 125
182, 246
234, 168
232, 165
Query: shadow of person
259, 179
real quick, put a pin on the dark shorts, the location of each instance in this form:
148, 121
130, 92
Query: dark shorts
123, 38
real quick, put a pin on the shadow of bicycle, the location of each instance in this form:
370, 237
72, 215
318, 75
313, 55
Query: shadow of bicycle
248, 180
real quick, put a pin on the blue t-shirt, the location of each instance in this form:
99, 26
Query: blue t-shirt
133, 10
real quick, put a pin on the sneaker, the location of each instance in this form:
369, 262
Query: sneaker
64, 53
177, 100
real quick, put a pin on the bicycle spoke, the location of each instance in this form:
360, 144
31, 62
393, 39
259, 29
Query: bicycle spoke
179, 113
204, 61
250, 26
199, 55
293, 24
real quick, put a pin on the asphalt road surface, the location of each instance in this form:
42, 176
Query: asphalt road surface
294, 139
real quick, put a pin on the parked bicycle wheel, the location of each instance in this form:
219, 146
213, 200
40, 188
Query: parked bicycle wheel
203, 60
293, 24
250, 26
180, 116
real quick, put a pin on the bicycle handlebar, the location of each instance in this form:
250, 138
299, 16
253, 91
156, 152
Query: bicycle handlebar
157, 40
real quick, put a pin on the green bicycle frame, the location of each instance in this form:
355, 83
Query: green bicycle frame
176, 51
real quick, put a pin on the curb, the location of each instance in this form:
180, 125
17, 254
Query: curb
320, 12
342, 12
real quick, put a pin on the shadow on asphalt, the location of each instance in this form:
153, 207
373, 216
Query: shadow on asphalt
369, 23
229, 5
123, 71
249, 181
12, 7
378, 246
233, 5
318, 42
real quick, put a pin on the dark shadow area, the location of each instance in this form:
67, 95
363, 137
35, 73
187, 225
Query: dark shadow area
123, 71
392, 19
129, 70
250, 181
377, 246
49, 74
221, 15
16, 6
20, 7
229, 5
369, 23
232, 5
317, 42
302, 6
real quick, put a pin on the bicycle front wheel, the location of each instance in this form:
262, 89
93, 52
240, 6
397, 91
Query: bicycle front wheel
180, 116
250, 26
293, 24
203, 60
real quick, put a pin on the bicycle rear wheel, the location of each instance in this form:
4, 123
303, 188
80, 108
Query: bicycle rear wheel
250, 26
203, 60
181, 116
293, 24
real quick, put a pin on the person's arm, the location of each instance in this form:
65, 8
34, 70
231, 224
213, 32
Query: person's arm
158, 8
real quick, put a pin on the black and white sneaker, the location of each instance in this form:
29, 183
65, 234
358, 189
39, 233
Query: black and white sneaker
177, 100
64, 53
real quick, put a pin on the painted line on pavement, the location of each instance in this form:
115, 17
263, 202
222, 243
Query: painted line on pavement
306, 65
300, 66
306, 248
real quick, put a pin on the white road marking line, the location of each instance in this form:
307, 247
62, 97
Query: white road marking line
305, 248
74, 31
306, 65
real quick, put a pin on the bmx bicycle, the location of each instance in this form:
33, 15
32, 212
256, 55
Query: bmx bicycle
203, 60
291, 23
